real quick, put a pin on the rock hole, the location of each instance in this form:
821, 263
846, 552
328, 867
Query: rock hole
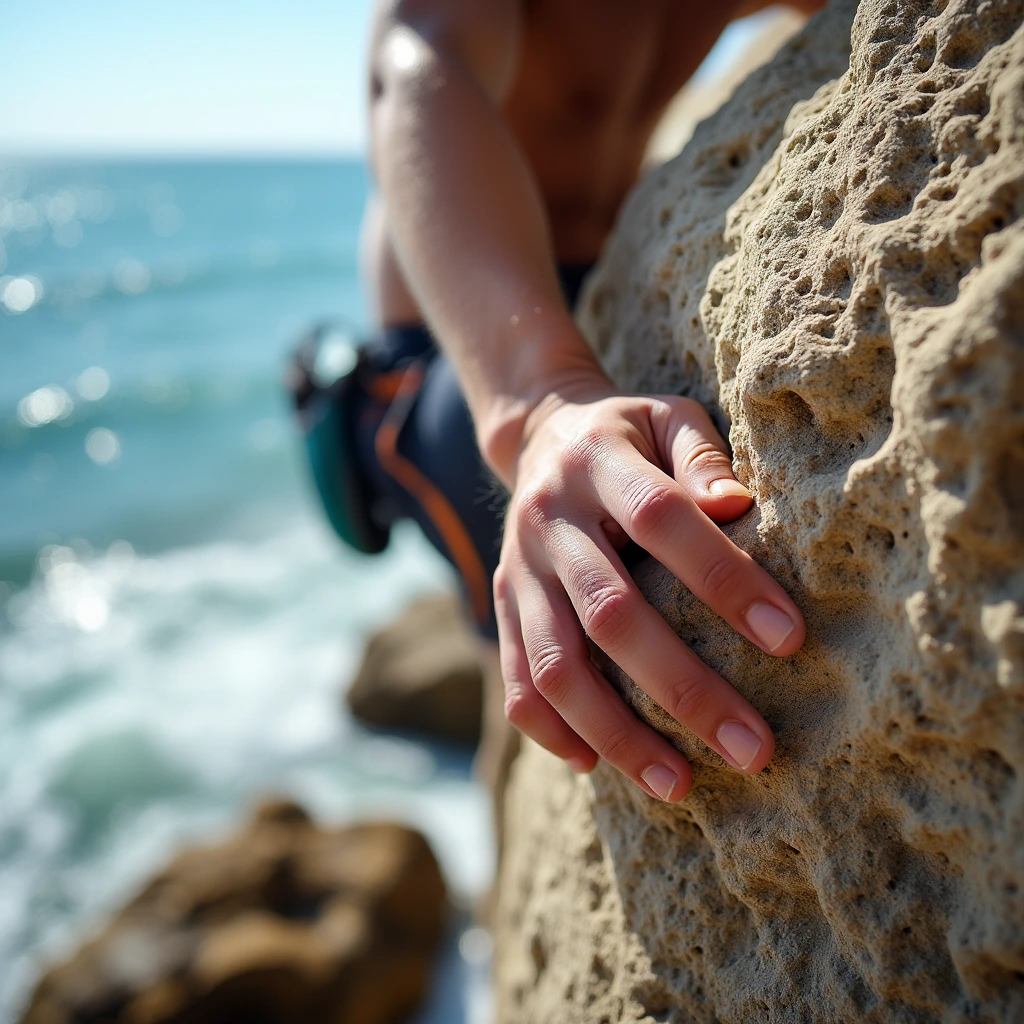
963, 49
738, 157
838, 279
599, 969
831, 208
539, 954
887, 202
972, 102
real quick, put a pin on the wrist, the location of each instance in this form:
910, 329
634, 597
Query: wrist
505, 426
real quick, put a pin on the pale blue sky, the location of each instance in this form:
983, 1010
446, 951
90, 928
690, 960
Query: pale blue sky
191, 76
152, 76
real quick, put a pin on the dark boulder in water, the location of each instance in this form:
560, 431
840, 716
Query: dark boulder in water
423, 672
285, 923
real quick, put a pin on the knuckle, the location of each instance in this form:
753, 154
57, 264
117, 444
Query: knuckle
519, 710
606, 615
704, 456
614, 745
551, 670
650, 510
584, 449
689, 700
720, 578
537, 505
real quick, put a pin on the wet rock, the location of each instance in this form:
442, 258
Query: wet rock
285, 922
423, 672
834, 266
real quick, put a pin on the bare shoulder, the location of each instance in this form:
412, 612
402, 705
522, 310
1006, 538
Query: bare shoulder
483, 35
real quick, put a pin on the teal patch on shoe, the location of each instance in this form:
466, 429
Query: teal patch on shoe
324, 380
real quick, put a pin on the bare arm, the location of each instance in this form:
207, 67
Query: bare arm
587, 468
467, 219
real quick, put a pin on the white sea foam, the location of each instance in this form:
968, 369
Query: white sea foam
147, 699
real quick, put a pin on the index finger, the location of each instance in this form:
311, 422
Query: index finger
658, 515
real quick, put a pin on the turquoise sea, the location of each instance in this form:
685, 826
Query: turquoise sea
176, 622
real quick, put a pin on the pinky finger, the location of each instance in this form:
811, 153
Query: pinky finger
525, 708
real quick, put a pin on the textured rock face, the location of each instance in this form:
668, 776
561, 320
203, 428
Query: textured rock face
283, 924
835, 266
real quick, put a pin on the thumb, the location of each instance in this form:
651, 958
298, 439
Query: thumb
700, 461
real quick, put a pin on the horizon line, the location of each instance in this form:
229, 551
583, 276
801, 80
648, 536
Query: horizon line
14, 154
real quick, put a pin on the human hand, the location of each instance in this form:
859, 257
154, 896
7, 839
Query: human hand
598, 468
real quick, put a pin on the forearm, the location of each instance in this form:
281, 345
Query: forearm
471, 233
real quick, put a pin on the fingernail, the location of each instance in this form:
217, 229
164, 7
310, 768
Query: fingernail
770, 625
740, 743
730, 487
661, 779
578, 765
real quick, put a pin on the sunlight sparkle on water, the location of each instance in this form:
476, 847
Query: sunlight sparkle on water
102, 446
45, 405
93, 383
20, 294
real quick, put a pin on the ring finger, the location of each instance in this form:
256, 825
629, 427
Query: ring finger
564, 676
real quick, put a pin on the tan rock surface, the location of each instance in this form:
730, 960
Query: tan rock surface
285, 923
847, 295
702, 96
423, 672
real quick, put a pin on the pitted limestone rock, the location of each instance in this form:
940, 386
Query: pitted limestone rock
835, 265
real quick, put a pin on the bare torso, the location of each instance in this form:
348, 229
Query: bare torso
593, 78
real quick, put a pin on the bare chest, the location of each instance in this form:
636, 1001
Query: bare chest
585, 65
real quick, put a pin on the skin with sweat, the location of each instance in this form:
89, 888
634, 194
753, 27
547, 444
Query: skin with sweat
505, 136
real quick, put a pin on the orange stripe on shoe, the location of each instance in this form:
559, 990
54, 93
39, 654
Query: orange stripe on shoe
440, 511
385, 386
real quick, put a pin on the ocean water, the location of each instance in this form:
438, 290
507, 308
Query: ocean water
176, 622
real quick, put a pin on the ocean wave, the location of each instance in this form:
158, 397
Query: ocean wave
147, 699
